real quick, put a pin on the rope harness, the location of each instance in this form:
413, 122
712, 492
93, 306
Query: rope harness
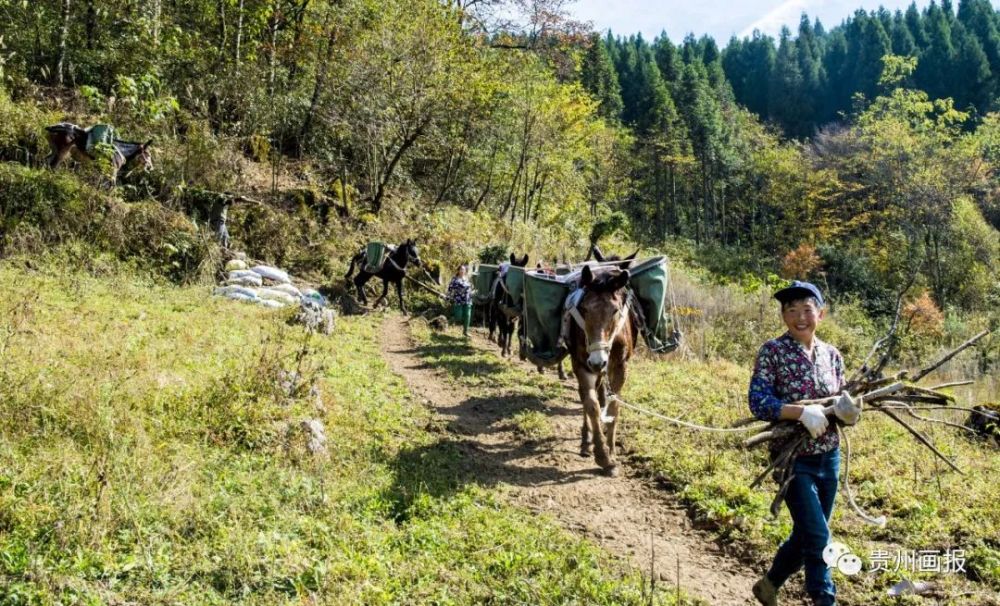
631, 308
600, 345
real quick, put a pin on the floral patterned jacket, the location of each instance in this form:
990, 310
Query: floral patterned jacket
459, 291
784, 374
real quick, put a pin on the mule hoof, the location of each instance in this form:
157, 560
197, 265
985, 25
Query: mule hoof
586, 450
611, 472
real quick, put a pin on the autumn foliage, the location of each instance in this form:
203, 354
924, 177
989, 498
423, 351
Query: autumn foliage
800, 263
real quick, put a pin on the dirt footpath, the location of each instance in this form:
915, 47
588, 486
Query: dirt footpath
625, 515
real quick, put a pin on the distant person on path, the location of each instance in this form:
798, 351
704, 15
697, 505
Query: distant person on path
460, 297
793, 367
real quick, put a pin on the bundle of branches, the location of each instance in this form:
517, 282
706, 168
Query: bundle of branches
890, 395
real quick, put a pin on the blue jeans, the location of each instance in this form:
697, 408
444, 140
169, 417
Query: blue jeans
810, 501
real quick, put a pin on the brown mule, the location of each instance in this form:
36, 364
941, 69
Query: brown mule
66, 139
602, 338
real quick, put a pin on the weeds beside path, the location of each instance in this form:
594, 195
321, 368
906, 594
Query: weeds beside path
516, 429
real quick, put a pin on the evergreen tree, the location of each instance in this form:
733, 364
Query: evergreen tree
838, 93
972, 83
903, 43
980, 19
915, 23
748, 63
788, 103
703, 117
933, 73
866, 54
668, 60
598, 76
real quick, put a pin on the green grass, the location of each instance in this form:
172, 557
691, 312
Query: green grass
147, 455
711, 472
928, 508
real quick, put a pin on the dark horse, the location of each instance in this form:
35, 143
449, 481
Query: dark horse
602, 338
393, 270
68, 139
502, 313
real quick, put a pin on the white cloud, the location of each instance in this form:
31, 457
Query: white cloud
786, 13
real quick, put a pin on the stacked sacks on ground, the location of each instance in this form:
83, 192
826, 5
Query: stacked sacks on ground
271, 287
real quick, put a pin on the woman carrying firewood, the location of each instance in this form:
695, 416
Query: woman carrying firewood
798, 377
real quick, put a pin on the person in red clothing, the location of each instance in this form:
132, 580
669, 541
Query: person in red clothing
793, 367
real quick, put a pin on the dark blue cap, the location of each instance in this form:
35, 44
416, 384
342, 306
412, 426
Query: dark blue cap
799, 290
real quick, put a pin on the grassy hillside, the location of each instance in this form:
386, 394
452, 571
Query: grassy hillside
150, 454
929, 508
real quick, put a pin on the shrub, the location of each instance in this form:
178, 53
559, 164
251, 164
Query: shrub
852, 273
22, 131
494, 254
800, 263
40, 209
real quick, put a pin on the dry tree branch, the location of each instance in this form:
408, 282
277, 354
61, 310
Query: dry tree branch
926, 371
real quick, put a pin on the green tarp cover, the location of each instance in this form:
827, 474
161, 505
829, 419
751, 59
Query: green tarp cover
543, 309
482, 282
515, 284
100, 133
649, 281
375, 256
544, 297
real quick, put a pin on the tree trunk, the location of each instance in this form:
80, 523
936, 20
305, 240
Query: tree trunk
273, 50
157, 12
489, 179
387, 173
239, 38
63, 36
222, 28
91, 24
321, 72
297, 29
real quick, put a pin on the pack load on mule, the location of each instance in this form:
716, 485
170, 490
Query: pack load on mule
384, 261
99, 134
67, 139
549, 299
375, 255
483, 280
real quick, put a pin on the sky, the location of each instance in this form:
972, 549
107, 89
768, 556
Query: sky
720, 19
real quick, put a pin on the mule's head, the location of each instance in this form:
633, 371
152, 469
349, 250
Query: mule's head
604, 312
145, 157
411, 252
522, 262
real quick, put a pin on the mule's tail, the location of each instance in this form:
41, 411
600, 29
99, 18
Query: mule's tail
354, 261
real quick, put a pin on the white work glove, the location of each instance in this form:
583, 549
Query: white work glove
847, 408
814, 418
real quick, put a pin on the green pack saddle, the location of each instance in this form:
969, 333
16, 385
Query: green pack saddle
544, 298
375, 254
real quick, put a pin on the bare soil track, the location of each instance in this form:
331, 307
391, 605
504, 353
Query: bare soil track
628, 515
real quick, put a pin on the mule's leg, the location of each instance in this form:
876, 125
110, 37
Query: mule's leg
493, 320
385, 293
359, 283
562, 373
591, 408
616, 376
60, 156
399, 292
